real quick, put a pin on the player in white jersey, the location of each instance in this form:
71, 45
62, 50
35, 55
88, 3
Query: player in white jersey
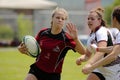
100, 36
112, 60
114, 32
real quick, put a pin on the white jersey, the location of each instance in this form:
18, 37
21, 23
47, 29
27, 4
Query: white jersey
112, 70
114, 32
117, 41
99, 35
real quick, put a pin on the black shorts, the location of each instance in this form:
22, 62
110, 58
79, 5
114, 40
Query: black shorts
41, 75
99, 75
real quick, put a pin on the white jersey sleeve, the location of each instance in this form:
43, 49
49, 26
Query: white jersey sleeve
101, 34
117, 41
114, 32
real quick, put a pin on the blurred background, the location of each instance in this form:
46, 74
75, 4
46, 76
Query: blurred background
27, 17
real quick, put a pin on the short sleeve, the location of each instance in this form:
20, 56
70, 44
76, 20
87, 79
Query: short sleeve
117, 41
37, 37
101, 34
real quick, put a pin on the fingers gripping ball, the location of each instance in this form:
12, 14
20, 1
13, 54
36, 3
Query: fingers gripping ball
32, 45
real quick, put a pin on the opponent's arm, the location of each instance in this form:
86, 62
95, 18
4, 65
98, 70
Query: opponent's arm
83, 58
106, 60
102, 49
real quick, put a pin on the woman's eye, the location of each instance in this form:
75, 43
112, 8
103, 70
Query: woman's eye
58, 17
63, 19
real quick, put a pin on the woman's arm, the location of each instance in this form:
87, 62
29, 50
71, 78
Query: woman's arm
109, 58
80, 48
102, 49
98, 55
83, 58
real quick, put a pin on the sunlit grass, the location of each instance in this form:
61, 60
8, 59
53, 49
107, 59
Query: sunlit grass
14, 66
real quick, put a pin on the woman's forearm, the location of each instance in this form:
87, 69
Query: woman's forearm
109, 58
80, 48
105, 49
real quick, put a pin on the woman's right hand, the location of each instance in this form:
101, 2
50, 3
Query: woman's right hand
22, 48
87, 69
81, 59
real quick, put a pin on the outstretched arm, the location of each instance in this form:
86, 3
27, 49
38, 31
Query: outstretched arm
72, 30
109, 58
83, 58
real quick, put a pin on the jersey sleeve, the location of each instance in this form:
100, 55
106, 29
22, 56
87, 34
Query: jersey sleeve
37, 37
114, 31
117, 41
101, 35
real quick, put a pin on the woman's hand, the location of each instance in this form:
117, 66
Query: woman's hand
72, 30
87, 69
81, 59
22, 48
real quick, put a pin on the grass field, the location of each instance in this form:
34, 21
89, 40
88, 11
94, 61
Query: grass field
14, 66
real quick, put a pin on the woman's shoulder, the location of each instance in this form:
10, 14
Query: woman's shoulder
102, 30
43, 30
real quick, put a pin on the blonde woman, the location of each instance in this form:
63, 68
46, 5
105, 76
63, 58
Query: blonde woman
54, 43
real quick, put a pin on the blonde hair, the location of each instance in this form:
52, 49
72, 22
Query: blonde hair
61, 10
100, 12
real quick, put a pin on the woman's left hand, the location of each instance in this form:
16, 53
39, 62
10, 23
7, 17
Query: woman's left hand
87, 69
72, 30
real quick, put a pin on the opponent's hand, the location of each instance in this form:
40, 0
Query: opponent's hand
87, 69
78, 61
72, 30
81, 59
22, 48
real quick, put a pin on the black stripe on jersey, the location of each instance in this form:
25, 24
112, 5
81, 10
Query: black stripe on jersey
61, 56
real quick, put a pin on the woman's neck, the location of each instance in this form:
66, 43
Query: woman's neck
96, 28
56, 30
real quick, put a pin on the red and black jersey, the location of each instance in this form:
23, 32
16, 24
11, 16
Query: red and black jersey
53, 50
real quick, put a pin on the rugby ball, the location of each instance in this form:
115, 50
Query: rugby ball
32, 45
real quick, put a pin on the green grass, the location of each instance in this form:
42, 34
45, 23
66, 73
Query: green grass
14, 66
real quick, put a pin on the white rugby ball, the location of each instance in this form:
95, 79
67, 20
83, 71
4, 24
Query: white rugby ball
32, 45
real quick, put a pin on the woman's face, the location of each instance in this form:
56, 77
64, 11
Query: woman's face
93, 21
58, 19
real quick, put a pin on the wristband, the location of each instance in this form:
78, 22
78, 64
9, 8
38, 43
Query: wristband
97, 49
